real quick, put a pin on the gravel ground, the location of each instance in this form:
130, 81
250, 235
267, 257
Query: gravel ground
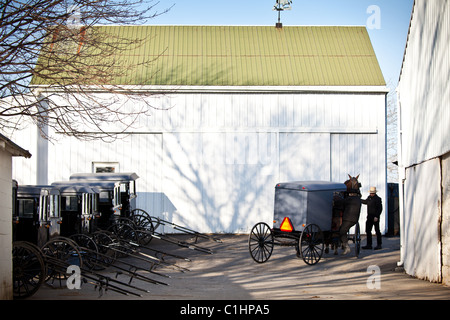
231, 274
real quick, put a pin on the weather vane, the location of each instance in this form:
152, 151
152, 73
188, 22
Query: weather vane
281, 5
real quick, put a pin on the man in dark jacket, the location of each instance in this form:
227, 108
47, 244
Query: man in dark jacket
374, 208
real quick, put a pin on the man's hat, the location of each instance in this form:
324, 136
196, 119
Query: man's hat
373, 190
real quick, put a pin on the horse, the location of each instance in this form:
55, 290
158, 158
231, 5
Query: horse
353, 186
346, 206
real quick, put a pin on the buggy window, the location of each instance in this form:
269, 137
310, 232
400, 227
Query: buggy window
70, 204
26, 208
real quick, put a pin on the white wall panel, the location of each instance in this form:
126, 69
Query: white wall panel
424, 90
25, 170
361, 154
226, 185
423, 202
424, 136
211, 160
304, 156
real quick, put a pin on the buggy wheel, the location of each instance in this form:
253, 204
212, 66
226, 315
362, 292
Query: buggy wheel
144, 228
60, 253
125, 230
29, 269
311, 244
260, 242
139, 212
357, 239
89, 251
105, 243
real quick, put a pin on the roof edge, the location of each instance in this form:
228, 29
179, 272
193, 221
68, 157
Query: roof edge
9, 146
382, 89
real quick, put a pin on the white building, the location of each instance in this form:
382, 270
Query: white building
8, 150
248, 107
424, 143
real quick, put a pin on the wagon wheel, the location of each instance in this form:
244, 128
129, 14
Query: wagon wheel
260, 242
145, 224
29, 269
125, 230
60, 253
357, 239
89, 251
311, 244
139, 212
105, 243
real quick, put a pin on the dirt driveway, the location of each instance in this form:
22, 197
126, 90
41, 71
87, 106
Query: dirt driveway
231, 274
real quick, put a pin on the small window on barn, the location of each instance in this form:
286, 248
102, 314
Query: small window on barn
100, 167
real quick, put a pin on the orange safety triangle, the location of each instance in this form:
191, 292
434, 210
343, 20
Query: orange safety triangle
286, 225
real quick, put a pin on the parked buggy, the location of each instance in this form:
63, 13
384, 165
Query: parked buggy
306, 218
124, 213
37, 245
51, 227
90, 221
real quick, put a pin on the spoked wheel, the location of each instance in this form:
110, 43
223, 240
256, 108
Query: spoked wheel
125, 230
311, 244
144, 227
139, 212
260, 242
61, 253
29, 269
89, 251
105, 243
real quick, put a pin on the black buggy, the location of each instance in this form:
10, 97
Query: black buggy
306, 217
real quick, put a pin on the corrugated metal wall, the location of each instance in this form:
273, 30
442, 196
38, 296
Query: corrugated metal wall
212, 160
6, 287
424, 118
424, 89
422, 226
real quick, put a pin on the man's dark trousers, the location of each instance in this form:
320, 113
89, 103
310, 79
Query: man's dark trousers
369, 225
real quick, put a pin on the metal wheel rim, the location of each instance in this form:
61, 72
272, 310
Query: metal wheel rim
124, 231
144, 223
104, 241
29, 270
261, 242
90, 256
60, 253
311, 244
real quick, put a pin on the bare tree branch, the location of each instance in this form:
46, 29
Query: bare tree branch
55, 53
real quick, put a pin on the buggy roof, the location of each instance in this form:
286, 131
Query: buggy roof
36, 190
96, 185
105, 176
69, 187
312, 186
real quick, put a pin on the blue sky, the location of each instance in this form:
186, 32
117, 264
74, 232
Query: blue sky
388, 35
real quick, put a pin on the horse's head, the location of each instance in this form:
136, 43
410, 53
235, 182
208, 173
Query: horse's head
353, 184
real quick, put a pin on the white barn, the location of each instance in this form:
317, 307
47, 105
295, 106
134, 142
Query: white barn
8, 150
424, 143
248, 107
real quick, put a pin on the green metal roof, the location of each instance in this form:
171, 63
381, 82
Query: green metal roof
249, 56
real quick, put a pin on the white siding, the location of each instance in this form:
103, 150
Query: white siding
25, 171
422, 227
6, 287
212, 160
424, 90
424, 137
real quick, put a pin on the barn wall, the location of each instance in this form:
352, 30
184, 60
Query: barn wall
211, 160
423, 88
6, 285
445, 223
422, 224
424, 138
